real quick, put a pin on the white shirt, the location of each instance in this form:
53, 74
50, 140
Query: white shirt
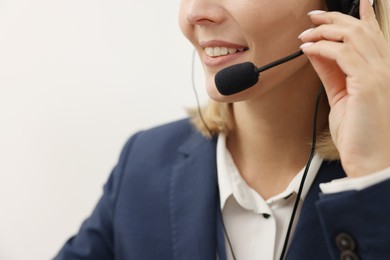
257, 227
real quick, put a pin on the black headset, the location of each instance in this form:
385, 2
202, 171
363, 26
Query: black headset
343, 6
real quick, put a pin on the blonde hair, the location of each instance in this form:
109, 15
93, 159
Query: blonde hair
218, 117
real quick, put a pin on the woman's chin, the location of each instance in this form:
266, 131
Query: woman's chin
215, 95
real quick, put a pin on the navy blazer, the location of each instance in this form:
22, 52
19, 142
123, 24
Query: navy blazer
161, 202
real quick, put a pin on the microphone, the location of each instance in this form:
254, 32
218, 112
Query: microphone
239, 77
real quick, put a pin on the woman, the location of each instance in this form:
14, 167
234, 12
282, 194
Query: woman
176, 194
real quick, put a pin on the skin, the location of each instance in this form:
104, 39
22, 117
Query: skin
274, 118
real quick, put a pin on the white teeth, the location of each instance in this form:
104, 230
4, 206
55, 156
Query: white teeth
209, 51
224, 51
217, 51
221, 51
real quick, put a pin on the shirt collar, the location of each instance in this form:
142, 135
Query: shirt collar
231, 182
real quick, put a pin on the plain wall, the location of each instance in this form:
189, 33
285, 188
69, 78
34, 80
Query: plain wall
77, 78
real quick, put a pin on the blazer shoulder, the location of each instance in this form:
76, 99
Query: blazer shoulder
167, 138
175, 129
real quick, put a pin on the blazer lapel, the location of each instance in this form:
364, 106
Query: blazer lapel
308, 241
194, 200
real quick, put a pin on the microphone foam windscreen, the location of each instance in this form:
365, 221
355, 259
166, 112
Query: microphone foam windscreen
236, 78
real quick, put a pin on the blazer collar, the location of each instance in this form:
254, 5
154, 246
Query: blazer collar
194, 200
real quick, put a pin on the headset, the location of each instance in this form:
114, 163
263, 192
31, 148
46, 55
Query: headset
344, 6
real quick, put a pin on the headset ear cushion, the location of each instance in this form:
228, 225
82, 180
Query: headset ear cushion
333, 5
343, 6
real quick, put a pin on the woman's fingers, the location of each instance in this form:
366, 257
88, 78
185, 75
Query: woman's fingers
352, 59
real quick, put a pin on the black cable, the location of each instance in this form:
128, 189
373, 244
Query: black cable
355, 5
312, 151
227, 237
208, 129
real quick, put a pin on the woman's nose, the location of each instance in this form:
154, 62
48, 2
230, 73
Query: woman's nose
204, 12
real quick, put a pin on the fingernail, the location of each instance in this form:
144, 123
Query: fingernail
305, 32
314, 12
306, 44
371, 2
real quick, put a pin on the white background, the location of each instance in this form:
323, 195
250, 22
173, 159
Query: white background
77, 78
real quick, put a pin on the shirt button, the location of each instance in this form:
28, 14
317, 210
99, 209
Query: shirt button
266, 216
345, 242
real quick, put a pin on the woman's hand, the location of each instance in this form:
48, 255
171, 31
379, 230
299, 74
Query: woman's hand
352, 59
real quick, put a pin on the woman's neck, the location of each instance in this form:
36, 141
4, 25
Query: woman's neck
271, 139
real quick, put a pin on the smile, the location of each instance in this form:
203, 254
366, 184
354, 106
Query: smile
222, 51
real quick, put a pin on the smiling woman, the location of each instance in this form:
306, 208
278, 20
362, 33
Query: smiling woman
234, 181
